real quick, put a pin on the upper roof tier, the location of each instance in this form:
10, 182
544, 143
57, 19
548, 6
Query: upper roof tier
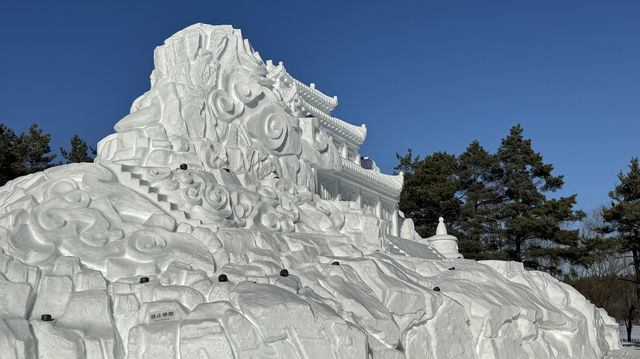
352, 133
310, 94
390, 185
311, 101
316, 97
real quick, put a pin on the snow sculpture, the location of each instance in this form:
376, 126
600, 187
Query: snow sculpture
444, 243
228, 171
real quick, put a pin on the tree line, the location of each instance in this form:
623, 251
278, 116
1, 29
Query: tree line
30, 152
502, 206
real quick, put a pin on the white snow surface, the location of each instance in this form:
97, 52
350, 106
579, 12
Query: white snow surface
628, 351
77, 242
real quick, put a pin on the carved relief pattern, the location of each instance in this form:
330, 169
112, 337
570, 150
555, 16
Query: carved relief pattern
212, 106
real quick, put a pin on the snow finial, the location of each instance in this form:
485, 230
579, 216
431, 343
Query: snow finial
445, 244
441, 229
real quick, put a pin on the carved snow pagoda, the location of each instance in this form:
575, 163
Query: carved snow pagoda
335, 171
357, 178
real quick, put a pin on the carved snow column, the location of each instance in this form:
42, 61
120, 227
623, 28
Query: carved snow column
395, 225
444, 243
379, 208
308, 126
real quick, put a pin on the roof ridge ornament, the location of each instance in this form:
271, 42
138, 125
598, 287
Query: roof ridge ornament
444, 243
442, 228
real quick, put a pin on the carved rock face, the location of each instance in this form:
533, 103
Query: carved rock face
212, 106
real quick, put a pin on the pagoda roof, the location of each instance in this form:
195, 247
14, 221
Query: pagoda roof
315, 97
319, 105
383, 183
309, 93
353, 133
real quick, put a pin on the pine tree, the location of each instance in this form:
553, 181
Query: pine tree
430, 188
8, 159
479, 187
32, 151
532, 225
622, 218
598, 253
79, 151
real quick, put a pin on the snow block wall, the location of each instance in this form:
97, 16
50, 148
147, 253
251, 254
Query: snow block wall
198, 234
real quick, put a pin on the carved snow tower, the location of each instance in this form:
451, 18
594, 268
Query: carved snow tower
444, 243
231, 216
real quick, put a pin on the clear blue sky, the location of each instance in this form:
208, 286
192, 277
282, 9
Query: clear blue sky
429, 75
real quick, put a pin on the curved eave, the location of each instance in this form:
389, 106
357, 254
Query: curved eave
352, 133
315, 97
310, 94
386, 184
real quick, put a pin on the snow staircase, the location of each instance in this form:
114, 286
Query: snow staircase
411, 248
393, 249
131, 177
